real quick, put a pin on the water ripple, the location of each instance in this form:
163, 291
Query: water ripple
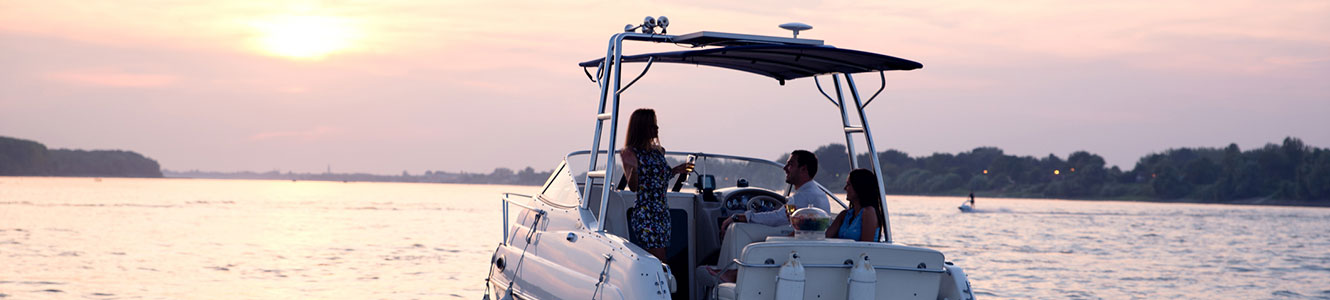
157, 239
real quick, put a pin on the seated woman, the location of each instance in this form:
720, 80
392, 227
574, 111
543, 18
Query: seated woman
862, 221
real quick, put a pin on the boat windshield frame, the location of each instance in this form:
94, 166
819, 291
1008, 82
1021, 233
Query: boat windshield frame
784, 187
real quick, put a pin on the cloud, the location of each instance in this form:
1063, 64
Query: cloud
298, 135
108, 78
293, 90
1296, 60
1009, 74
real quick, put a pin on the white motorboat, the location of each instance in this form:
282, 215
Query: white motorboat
571, 241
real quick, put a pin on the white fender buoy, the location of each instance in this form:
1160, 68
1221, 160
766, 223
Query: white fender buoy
790, 279
955, 284
863, 279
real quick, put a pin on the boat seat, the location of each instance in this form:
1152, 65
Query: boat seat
903, 272
738, 236
616, 208
725, 291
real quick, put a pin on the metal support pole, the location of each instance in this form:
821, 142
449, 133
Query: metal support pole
872, 153
614, 128
845, 120
609, 93
505, 221
595, 140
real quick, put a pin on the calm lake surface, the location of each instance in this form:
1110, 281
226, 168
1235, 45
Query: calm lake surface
80, 238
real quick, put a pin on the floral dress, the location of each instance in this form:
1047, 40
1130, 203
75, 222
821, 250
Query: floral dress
651, 219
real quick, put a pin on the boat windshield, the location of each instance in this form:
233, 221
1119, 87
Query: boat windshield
727, 170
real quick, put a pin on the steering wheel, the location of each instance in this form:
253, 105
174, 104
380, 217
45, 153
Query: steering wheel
763, 203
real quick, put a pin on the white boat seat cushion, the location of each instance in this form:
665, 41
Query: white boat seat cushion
740, 235
725, 291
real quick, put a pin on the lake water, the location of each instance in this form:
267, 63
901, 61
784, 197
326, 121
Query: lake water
81, 238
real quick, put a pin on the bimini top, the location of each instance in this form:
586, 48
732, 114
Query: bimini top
781, 62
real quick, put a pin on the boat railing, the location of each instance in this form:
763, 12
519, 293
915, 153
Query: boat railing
702, 156
833, 197
708, 155
506, 203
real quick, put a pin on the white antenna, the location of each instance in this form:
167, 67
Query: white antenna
796, 27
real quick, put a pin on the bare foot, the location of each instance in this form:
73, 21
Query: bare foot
729, 276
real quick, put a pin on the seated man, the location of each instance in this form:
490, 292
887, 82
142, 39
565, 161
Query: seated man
749, 227
799, 171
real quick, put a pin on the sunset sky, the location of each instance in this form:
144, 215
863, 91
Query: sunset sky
391, 86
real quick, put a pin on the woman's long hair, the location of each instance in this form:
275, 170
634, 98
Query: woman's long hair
864, 183
642, 130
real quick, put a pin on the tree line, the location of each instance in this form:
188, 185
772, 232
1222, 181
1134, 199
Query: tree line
1286, 173
20, 157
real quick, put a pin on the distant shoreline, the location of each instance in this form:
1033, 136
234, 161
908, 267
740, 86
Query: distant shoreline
1290, 173
1287, 173
978, 198
502, 176
1253, 202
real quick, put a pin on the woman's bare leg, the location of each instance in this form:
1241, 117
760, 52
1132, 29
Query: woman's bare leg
658, 252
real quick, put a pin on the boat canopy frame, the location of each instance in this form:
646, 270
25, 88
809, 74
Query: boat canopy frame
775, 57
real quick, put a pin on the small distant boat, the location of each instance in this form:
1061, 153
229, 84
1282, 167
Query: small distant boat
965, 207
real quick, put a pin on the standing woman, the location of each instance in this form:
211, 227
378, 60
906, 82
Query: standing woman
862, 221
648, 174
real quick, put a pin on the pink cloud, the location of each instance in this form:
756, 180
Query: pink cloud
301, 135
1296, 60
293, 90
106, 78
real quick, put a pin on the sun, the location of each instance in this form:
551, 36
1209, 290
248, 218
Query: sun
305, 37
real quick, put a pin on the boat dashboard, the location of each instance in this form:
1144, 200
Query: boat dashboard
738, 199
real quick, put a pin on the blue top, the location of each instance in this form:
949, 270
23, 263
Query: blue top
851, 228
